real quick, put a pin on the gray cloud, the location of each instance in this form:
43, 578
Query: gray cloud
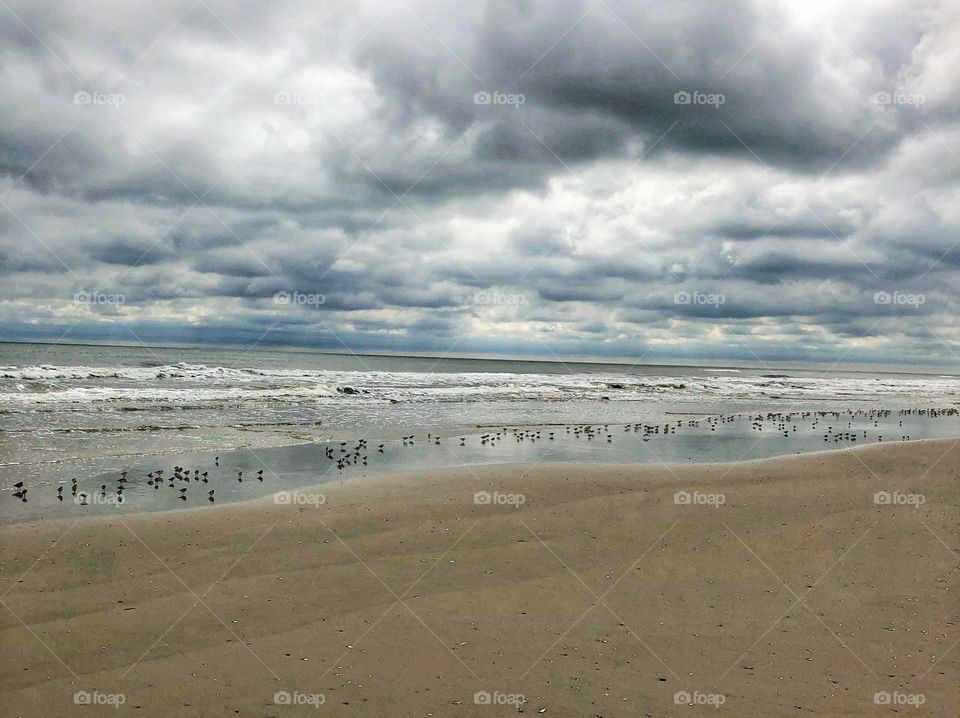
224, 153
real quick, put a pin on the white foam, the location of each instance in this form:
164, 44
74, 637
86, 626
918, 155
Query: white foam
69, 387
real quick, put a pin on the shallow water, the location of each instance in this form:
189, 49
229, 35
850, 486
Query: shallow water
70, 403
733, 438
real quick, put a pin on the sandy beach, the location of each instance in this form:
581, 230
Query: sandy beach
776, 587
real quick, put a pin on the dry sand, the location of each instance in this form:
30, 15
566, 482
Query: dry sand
599, 596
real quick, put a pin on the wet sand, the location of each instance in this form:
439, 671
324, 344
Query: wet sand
774, 587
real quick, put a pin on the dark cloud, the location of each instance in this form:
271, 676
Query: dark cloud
225, 154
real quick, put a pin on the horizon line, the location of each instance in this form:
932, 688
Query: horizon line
577, 359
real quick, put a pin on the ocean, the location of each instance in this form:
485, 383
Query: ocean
84, 411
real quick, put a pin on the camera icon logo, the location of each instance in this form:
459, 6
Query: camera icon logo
482, 98
682, 498
682, 98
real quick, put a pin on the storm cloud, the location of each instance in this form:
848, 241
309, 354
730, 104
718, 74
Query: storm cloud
746, 180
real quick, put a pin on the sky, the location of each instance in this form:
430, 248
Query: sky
692, 180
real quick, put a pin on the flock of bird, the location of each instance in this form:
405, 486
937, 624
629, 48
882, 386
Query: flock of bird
155, 480
839, 427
